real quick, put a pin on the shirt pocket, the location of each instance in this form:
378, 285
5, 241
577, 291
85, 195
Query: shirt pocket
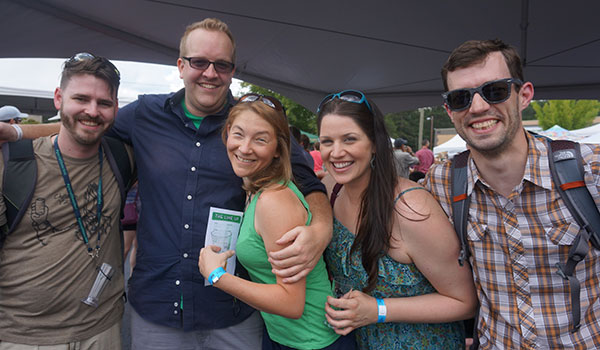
562, 233
476, 231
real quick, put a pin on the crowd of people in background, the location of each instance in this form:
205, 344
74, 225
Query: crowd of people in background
343, 244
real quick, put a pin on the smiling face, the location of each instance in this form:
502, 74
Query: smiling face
251, 144
87, 109
488, 128
206, 90
345, 149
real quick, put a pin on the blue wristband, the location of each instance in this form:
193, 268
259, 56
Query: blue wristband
381, 311
215, 275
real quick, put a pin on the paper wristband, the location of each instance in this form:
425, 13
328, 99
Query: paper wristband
381, 311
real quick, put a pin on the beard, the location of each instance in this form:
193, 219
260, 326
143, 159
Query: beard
495, 148
79, 135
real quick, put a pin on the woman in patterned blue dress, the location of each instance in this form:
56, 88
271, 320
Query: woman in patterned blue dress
390, 239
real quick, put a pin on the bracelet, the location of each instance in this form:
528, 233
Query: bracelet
18, 130
381, 311
215, 275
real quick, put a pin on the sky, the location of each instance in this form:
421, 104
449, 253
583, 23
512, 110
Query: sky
39, 77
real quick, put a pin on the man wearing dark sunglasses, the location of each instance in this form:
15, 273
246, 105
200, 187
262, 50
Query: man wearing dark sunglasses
518, 227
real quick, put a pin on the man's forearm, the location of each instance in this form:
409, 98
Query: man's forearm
33, 131
322, 220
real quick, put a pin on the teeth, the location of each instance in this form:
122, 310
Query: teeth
484, 125
89, 123
208, 86
244, 160
341, 165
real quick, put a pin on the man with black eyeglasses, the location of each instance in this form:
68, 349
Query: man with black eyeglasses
519, 230
53, 244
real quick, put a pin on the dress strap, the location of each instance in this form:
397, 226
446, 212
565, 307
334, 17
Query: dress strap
408, 190
334, 193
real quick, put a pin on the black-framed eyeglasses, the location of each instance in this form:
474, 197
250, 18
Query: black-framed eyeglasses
200, 63
268, 100
84, 56
353, 96
492, 92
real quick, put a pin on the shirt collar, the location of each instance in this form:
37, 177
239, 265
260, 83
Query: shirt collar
537, 169
174, 101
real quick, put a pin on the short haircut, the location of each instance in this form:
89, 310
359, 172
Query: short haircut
280, 170
97, 66
209, 24
476, 51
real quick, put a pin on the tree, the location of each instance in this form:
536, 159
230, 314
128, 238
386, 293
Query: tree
569, 114
297, 114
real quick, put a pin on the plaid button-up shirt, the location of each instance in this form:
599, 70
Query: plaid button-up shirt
515, 244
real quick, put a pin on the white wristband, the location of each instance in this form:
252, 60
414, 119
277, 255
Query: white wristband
19, 131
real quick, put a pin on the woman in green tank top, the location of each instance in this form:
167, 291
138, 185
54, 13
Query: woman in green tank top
257, 139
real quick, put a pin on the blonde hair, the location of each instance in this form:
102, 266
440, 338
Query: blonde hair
280, 169
209, 24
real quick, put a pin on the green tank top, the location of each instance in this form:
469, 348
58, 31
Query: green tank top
310, 330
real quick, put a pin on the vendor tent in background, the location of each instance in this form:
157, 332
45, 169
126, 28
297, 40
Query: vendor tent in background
392, 50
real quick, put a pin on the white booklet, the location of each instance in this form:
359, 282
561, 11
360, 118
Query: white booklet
222, 230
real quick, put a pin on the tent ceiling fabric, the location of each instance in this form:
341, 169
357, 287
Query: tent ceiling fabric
392, 50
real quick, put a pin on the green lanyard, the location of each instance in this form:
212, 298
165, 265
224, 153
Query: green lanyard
99, 204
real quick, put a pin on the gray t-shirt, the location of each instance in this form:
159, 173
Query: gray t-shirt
403, 162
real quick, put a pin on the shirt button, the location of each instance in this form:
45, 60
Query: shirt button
193, 168
186, 226
175, 312
197, 144
185, 255
176, 304
189, 197
177, 283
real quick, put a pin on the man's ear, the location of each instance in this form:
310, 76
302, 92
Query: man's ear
525, 95
58, 98
448, 111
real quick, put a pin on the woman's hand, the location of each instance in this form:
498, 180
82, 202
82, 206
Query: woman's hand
353, 310
210, 258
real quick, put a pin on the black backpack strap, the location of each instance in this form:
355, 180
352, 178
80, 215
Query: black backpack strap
20, 176
460, 201
566, 166
334, 193
118, 158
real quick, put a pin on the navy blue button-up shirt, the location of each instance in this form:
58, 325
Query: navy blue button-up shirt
183, 171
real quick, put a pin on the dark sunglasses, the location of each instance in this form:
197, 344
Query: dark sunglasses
353, 96
496, 91
200, 63
84, 56
268, 100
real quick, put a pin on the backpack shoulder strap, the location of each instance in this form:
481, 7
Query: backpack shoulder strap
334, 193
118, 158
566, 167
20, 176
460, 201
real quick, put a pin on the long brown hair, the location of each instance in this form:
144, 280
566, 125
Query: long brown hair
376, 215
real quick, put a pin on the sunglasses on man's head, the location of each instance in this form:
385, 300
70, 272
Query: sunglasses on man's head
353, 96
200, 63
84, 56
268, 100
496, 91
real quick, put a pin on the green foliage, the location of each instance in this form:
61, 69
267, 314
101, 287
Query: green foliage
570, 114
29, 121
406, 124
298, 116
